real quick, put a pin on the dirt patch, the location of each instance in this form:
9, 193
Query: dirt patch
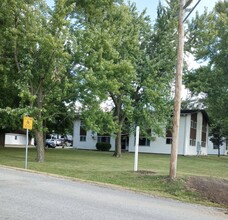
214, 190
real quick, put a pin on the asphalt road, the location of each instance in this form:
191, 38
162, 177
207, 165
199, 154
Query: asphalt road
26, 195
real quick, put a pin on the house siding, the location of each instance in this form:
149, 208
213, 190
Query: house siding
91, 139
159, 144
212, 151
12, 139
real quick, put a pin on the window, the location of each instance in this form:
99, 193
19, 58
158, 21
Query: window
204, 129
192, 142
204, 133
15, 138
82, 138
169, 137
215, 146
144, 141
169, 140
193, 128
82, 124
193, 124
203, 144
82, 132
103, 138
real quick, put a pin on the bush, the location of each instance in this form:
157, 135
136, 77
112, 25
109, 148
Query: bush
103, 146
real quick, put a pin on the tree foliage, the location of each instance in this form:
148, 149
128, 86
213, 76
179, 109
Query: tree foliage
122, 61
97, 52
35, 61
208, 42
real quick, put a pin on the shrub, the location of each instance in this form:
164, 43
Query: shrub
103, 146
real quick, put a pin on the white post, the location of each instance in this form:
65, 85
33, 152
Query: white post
136, 149
26, 149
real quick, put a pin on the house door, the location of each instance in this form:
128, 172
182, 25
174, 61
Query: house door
124, 142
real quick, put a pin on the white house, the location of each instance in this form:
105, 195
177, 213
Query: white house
193, 137
16, 140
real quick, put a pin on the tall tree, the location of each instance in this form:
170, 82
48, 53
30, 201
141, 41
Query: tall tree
122, 62
37, 55
208, 41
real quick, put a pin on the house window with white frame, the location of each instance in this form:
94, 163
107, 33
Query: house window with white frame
144, 141
103, 138
83, 132
204, 133
192, 141
169, 137
215, 146
203, 143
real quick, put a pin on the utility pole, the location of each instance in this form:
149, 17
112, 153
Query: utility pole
177, 99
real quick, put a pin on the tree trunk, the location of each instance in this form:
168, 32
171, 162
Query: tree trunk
39, 132
218, 150
39, 146
118, 145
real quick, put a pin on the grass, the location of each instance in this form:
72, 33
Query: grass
102, 167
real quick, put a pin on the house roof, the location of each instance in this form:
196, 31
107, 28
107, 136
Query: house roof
188, 111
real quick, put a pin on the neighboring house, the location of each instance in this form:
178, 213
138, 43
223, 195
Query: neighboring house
213, 149
193, 137
17, 139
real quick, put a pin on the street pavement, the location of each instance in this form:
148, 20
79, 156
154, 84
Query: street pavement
33, 196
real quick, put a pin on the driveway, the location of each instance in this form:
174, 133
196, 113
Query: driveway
26, 195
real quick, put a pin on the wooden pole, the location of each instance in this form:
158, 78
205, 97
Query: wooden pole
177, 99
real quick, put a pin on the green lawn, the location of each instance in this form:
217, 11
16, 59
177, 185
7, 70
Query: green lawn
103, 167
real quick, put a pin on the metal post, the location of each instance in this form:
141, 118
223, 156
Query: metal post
26, 150
136, 149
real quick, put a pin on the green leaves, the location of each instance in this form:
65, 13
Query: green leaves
123, 60
208, 38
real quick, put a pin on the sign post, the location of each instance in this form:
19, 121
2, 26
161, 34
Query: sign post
136, 149
27, 124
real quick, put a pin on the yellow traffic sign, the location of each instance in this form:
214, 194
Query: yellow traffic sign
27, 122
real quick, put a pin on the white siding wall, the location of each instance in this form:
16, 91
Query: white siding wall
194, 150
187, 119
91, 139
15, 139
184, 148
157, 146
213, 151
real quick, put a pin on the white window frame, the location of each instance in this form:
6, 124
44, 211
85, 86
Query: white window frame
192, 142
170, 140
147, 142
193, 124
203, 143
82, 138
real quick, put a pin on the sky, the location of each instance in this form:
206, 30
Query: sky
151, 5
